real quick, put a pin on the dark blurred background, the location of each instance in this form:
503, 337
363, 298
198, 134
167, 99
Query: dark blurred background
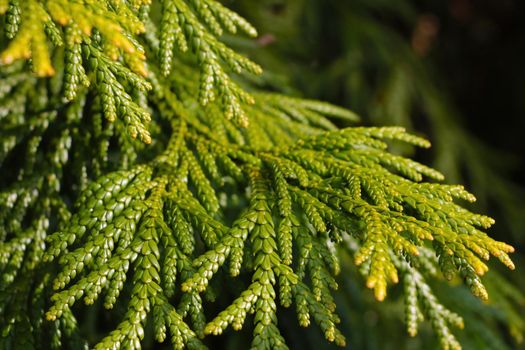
449, 70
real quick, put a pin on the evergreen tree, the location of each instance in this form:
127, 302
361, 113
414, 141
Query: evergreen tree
382, 59
146, 172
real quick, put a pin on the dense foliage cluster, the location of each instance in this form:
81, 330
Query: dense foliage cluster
225, 183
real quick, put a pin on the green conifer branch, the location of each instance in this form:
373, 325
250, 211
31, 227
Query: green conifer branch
155, 222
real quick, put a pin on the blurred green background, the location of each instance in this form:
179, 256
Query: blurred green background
449, 70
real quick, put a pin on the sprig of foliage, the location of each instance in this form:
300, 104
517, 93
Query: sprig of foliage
154, 226
180, 26
313, 191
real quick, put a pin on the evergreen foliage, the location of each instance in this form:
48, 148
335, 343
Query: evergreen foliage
226, 183
361, 54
